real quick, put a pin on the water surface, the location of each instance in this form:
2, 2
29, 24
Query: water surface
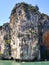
22, 63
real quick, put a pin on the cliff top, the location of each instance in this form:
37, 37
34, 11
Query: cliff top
25, 6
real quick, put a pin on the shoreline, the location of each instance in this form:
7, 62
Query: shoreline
18, 60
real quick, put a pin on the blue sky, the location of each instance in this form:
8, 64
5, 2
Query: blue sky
7, 5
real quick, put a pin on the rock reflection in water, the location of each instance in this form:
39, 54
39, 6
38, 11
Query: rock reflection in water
10, 63
15, 63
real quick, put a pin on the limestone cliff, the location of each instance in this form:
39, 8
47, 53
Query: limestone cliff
25, 32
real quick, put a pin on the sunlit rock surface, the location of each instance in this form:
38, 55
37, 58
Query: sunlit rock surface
24, 43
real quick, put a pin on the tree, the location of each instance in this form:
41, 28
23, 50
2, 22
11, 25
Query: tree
37, 7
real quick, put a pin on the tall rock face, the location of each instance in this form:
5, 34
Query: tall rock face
44, 36
2, 42
26, 36
5, 40
28, 28
24, 21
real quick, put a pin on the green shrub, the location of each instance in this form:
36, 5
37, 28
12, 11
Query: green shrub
8, 41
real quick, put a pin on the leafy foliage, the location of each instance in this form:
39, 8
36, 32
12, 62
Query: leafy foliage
8, 41
25, 7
